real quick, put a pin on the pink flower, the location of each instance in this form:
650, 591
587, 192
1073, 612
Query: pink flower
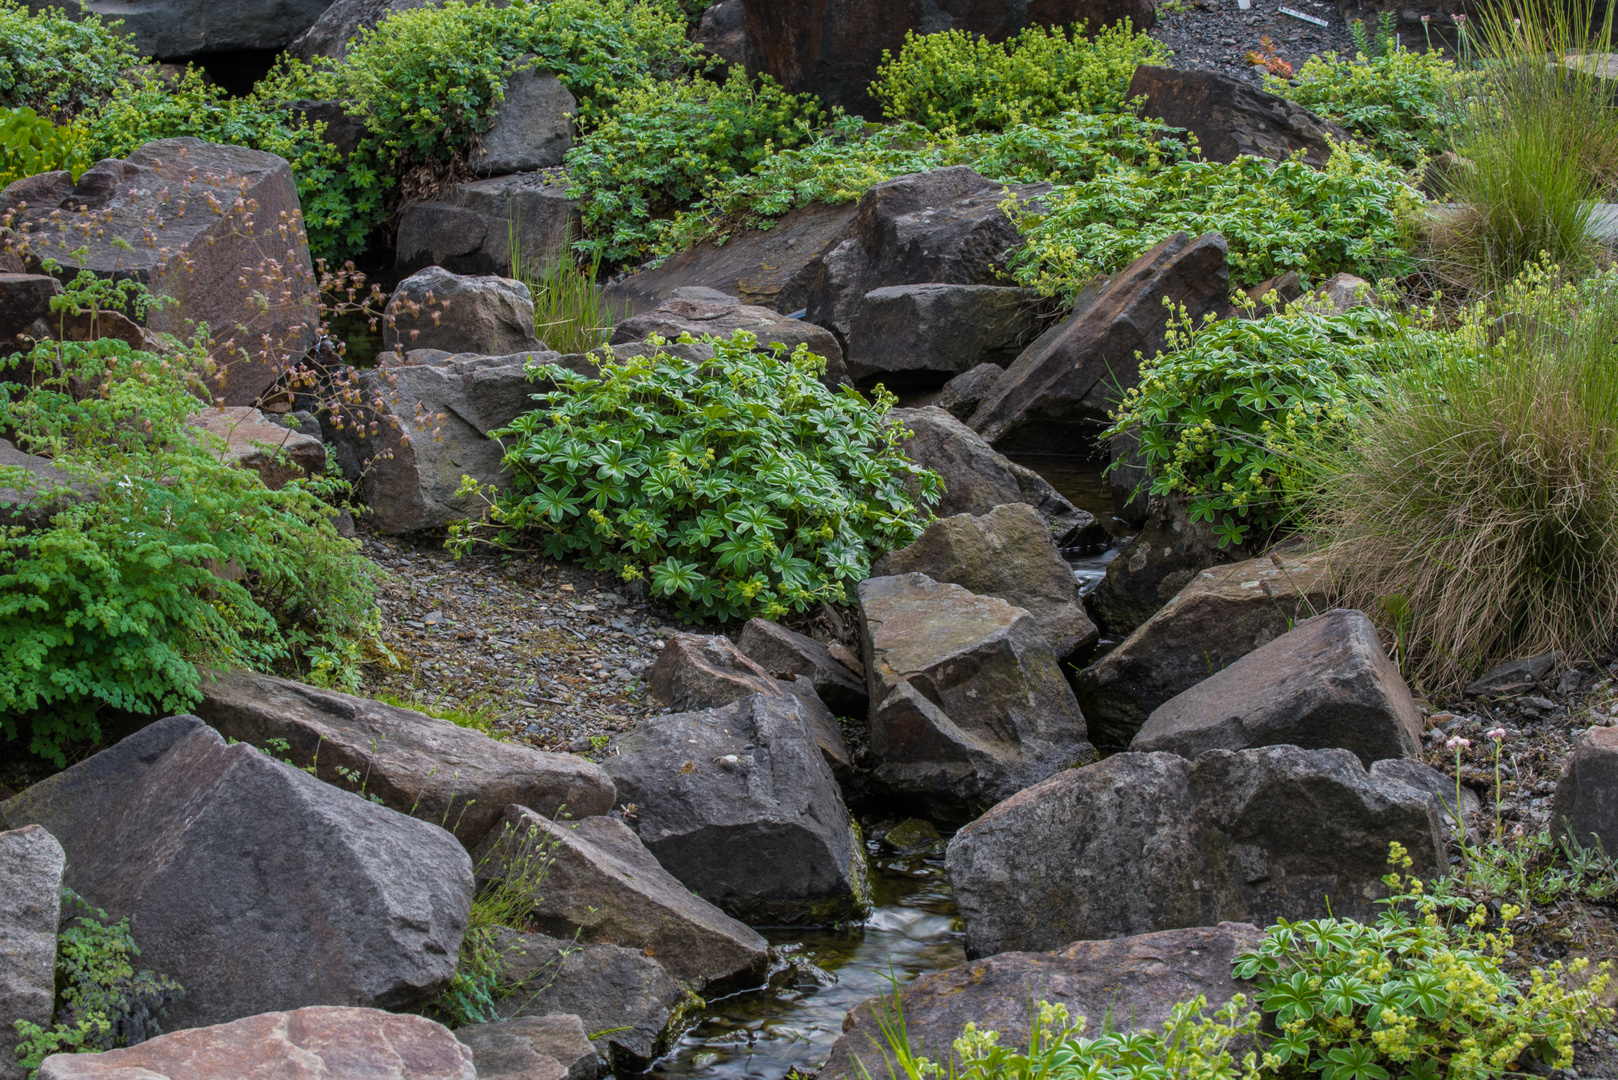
1457, 743
1460, 20
1425, 19
1497, 734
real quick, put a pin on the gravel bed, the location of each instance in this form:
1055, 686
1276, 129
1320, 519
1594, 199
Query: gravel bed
552, 653
1216, 35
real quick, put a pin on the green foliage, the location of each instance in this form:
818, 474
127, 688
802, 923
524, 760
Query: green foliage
30, 144
169, 554
1475, 508
1191, 1045
427, 79
741, 485
1414, 997
56, 65
571, 312
963, 81
668, 142
343, 201
1400, 102
102, 1001
1230, 414
850, 159
1352, 215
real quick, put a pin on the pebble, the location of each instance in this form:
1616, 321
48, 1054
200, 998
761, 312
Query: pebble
1216, 35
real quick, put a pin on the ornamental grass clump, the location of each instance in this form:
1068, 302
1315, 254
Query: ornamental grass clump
1539, 140
1474, 510
739, 485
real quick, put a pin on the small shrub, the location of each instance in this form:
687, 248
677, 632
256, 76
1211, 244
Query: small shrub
740, 486
962, 81
571, 312
102, 1001
1413, 997
668, 142
1474, 510
1400, 102
167, 554
1230, 414
30, 144
58, 65
1352, 215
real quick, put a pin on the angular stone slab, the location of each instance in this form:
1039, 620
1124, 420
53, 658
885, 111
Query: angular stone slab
427, 768
740, 805
1138, 843
1133, 983
1223, 614
257, 886
526, 1047
1585, 806
606, 886
31, 865
1324, 683
780, 651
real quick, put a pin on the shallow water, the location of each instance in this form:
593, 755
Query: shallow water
820, 975
1080, 481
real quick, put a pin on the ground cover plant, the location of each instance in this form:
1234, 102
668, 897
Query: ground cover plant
738, 486
147, 550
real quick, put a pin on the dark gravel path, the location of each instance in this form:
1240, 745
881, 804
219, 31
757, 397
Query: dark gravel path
1215, 35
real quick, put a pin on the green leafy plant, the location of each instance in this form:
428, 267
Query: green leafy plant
1413, 996
964, 81
1231, 412
1401, 102
850, 158
142, 548
1352, 215
571, 310
30, 144
1191, 1045
59, 65
667, 142
739, 485
1478, 494
102, 1001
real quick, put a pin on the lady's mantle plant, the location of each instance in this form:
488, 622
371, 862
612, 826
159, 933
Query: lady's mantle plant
738, 485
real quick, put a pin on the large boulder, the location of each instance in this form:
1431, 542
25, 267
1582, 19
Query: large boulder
1585, 806
532, 1048
1056, 397
436, 309
977, 478
780, 651
1125, 984
946, 226
331, 1043
257, 886
1143, 842
420, 766
469, 228
923, 334
723, 33
31, 865
532, 127
696, 671
968, 702
1219, 617
1231, 117
180, 29
278, 454
740, 805
24, 300
212, 227
698, 310
340, 23
415, 429
605, 886
1006, 553
1324, 683
833, 48
962, 395
624, 997
1155, 564
772, 268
